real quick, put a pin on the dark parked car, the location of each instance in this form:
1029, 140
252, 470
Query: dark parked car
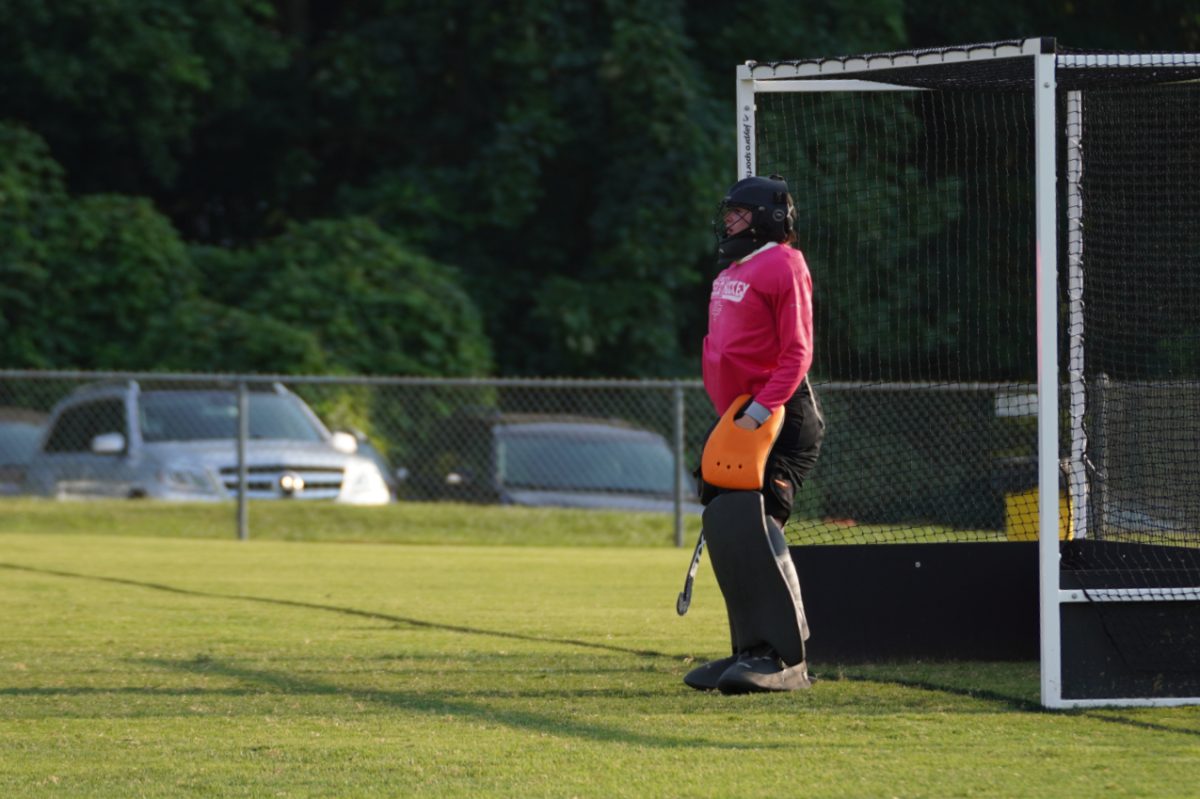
548, 460
20, 431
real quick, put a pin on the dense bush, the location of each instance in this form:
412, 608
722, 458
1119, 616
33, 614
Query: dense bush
374, 306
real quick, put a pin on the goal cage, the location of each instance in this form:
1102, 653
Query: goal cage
1006, 261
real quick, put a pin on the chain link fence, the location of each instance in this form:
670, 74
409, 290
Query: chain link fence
897, 458
615, 445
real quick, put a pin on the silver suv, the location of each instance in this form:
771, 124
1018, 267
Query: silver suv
118, 440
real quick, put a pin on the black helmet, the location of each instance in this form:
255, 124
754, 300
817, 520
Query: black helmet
772, 216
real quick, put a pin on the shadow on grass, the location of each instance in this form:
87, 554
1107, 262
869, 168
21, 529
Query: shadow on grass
61, 691
1014, 703
1018, 704
438, 704
1111, 717
364, 614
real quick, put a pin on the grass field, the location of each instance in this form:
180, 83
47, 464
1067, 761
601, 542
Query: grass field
365, 660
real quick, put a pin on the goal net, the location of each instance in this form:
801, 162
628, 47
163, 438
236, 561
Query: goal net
921, 244
954, 203
1131, 158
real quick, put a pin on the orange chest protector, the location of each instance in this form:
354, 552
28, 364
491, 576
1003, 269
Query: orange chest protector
735, 458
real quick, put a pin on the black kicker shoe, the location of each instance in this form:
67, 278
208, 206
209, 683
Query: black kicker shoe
704, 678
762, 674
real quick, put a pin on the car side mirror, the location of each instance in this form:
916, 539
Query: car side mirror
344, 442
108, 444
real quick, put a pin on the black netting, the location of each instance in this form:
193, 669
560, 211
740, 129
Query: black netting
1129, 197
916, 217
1137, 364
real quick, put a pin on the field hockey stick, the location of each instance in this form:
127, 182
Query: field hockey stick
685, 596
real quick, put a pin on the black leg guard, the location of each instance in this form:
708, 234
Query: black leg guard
754, 569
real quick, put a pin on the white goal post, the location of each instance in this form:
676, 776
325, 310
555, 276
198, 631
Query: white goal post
1125, 534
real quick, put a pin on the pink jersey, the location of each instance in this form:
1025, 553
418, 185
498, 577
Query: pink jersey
760, 329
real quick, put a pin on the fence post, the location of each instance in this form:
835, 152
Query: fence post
243, 414
679, 461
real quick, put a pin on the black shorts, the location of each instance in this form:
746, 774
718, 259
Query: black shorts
792, 457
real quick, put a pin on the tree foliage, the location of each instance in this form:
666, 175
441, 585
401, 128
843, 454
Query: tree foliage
92, 281
1113, 25
32, 198
409, 186
119, 88
371, 304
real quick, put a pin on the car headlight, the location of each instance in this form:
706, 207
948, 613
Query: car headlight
363, 484
187, 478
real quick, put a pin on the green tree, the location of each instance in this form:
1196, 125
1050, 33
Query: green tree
1113, 25
91, 282
104, 282
118, 88
781, 30
374, 306
211, 337
613, 308
571, 167
31, 202
119, 279
562, 156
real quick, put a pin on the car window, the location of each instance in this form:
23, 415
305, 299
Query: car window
18, 442
205, 416
78, 425
566, 462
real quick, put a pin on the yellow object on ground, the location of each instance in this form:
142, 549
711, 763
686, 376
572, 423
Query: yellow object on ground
1021, 516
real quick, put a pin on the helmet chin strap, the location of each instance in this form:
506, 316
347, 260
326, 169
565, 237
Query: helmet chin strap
736, 248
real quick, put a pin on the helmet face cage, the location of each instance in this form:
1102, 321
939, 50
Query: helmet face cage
724, 209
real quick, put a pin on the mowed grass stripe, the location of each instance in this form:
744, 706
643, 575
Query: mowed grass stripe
166, 667
432, 523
